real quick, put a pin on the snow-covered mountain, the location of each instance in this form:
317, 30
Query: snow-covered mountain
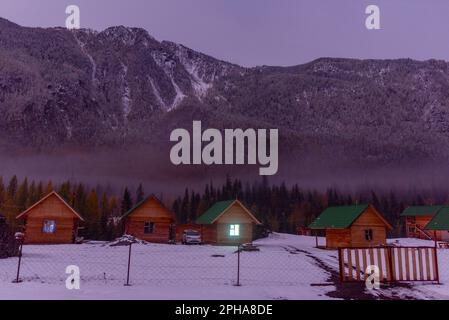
88, 87
122, 87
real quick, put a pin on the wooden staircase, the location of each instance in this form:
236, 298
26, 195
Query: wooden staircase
421, 233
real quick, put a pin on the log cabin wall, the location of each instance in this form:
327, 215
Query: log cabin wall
151, 211
65, 231
368, 224
224, 238
368, 230
51, 209
336, 238
209, 234
235, 215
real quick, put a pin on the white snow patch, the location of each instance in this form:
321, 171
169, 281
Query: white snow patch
193, 67
168, 67
156, 93
91, 59
126, 96
178, 97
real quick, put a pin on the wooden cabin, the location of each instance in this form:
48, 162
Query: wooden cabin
438, 226
416, 220
151, 221
50, 221
352, 226
227, 223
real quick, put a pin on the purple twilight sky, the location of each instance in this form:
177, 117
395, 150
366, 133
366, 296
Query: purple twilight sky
257, 32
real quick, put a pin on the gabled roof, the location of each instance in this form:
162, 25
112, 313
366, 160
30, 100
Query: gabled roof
440, 221
53, 193
219, 209
138, 205
415, 211
342, 217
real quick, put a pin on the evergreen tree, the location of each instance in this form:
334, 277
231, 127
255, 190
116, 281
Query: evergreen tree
185, 207
93, 215
40, 191
33, 197
49, 188
140, 194
79, 199
65, 191
12, 188
22, 195
127, 202
2, 193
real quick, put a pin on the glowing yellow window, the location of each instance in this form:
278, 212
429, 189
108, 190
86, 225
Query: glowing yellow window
234, 230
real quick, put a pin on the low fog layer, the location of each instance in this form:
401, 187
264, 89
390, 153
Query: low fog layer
118, 169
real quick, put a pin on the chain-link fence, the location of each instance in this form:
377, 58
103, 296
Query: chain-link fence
162, 265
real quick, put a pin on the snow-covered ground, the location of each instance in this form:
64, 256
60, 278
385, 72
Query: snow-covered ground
286, 267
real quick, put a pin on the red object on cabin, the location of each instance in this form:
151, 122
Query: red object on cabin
304, 231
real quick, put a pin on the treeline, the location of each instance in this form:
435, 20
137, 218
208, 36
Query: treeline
98, 206
284, 209
281, 208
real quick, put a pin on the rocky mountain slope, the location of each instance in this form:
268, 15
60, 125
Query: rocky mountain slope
94, 88
63, 89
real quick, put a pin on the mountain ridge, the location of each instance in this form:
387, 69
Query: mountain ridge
121, 88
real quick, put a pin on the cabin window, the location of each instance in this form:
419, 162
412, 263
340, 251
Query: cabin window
149, 228
369, 235
234, 230
49, 226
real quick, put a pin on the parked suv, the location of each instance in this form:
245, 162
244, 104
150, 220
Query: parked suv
191, 237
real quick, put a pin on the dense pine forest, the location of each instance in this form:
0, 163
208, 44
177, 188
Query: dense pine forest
281, 208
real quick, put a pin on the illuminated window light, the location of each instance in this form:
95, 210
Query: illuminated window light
49, 226
234, 230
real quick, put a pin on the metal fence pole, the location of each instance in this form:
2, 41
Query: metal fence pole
17, 280
238, 267
129, 266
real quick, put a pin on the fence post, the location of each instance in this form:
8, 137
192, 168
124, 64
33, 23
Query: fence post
238, 266
340, 264
390, 264
17, 280
129, 266
435, 261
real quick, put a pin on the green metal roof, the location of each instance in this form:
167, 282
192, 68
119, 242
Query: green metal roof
214, 212
421, 211
338, 217
129, 212
440, 221
152, 196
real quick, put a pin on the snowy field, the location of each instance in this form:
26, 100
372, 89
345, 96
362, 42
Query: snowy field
286, 267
